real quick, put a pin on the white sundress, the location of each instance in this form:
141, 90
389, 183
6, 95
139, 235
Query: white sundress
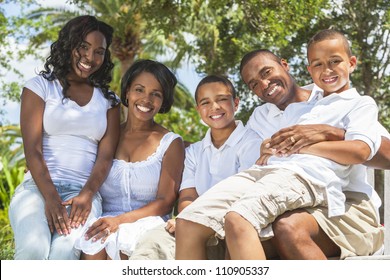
129, 186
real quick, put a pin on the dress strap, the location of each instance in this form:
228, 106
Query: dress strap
165, 142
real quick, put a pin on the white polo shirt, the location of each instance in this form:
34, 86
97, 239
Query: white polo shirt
268, 118
206, 165
337, 110
358, 181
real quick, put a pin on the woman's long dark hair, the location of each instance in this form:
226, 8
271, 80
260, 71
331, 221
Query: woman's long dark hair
59, 63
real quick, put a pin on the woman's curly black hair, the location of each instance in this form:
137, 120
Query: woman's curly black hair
59, 63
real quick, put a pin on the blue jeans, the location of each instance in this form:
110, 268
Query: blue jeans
33, 239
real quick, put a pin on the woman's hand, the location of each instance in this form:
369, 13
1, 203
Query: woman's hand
81, 206
171, 226
102, 228
57, 216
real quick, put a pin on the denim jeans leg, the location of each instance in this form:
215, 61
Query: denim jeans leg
28, 221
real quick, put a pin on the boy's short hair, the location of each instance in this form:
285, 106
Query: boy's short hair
215, 79
327, 34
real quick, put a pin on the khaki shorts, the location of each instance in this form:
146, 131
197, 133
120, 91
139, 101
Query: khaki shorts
259, 195
158, 244
357, 232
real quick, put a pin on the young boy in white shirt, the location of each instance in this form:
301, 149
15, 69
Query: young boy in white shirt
227, 148
243, 206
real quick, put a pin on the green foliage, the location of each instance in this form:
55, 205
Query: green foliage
246, 109
11, 146
6, 237
12, 168
5, 57
10, 178
183, 98
186, 123
4, 32
214, 34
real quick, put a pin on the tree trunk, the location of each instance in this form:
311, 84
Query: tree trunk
125, 64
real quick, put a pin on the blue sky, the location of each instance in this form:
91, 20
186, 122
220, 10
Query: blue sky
186, 74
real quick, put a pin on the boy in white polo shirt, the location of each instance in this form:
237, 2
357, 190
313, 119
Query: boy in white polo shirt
251, 200
227, 148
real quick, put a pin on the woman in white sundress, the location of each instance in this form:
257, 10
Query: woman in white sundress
142, 186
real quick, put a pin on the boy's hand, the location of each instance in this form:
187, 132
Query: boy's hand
265, 152
171, 226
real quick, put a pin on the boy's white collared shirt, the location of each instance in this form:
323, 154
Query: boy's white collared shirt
206, 165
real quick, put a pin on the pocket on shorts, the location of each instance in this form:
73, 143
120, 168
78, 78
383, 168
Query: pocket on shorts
300, 195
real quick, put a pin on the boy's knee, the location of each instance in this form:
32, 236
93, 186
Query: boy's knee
284, 227
234, 224
289, 227
183, 227
230, 220
188, 230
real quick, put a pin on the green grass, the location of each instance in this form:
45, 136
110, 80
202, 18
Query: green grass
6, 237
